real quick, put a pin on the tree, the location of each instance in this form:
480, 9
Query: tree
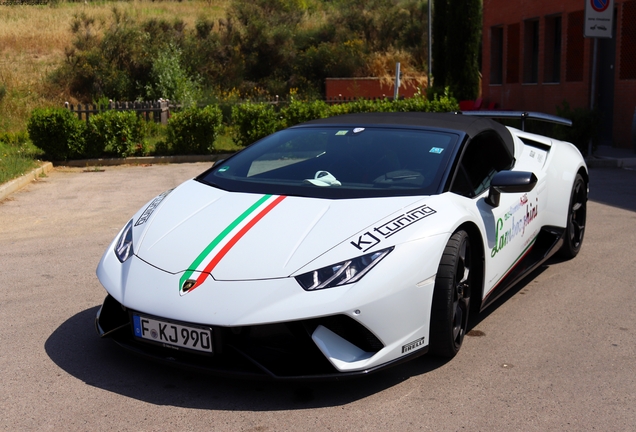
457, 41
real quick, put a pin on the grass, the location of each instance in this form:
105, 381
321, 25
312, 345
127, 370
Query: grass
225, 144
156, 133
16, 158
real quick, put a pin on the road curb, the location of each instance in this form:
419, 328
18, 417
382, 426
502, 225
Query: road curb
611, 163
602, 163
143, 160
17, 184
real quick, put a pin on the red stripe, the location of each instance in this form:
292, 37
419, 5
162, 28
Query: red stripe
218, 257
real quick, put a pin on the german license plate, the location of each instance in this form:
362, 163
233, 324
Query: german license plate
172, 334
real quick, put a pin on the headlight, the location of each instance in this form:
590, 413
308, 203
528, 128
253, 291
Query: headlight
124, 246
343, 273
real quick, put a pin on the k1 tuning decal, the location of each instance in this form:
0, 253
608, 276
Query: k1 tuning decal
512, 224
221, 245
151, 208
371, 238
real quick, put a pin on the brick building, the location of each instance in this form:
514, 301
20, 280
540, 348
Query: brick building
535, 57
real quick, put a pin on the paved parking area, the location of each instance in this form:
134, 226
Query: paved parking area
557, 353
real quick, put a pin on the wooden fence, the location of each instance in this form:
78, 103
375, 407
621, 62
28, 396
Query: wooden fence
158, 111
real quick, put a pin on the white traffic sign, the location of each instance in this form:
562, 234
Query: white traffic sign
599, 15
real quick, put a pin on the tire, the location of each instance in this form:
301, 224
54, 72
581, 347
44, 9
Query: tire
577, 213
451, 297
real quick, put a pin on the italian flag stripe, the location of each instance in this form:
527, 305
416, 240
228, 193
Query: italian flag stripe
222, 244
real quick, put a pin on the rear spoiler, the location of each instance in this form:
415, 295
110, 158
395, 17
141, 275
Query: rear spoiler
519, 115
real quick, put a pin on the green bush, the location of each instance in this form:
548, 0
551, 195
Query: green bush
114, 133
57, 131
418, 103
169, 80
298, 111
115, 62
330, 59
443, 103
194, 130
253, 121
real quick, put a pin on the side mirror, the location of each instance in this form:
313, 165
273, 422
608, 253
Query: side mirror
510, 182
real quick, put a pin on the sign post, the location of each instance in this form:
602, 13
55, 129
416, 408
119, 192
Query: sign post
599, 17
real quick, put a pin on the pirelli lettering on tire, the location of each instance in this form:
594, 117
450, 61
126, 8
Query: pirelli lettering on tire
412, 346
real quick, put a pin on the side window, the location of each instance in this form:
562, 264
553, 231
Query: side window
461, 185
484, 156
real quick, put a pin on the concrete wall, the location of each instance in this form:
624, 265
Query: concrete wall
369, 88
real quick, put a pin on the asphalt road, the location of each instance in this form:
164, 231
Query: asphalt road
557, 353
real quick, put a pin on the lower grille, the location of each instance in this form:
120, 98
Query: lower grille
282, 350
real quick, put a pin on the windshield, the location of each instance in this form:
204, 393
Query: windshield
339, 162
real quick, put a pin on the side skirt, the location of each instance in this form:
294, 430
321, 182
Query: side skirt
548, 242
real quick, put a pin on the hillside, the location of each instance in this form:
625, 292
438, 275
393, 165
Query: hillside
33, 40
199, 50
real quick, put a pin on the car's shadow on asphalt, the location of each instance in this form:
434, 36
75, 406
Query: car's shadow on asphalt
75, 347
614, 187
475, 318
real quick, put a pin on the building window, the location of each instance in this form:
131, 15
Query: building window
552, 50
628, 42
496, 55
575, 47
531, 51
512, 54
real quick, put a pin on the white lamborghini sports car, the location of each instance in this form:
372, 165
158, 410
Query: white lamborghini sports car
343, 245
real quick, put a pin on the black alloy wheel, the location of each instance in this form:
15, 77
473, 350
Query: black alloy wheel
577, 213
451, 297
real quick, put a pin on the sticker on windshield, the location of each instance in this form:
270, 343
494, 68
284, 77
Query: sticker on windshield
436, 150
224, 168
358, 130
342, 132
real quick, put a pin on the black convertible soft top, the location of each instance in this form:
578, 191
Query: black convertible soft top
471, 126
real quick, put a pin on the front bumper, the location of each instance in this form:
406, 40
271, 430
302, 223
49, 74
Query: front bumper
281, 351
273, 328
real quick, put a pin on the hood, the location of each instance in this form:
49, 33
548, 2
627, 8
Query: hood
242, 236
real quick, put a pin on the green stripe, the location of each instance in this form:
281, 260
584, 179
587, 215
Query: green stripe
203, 255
